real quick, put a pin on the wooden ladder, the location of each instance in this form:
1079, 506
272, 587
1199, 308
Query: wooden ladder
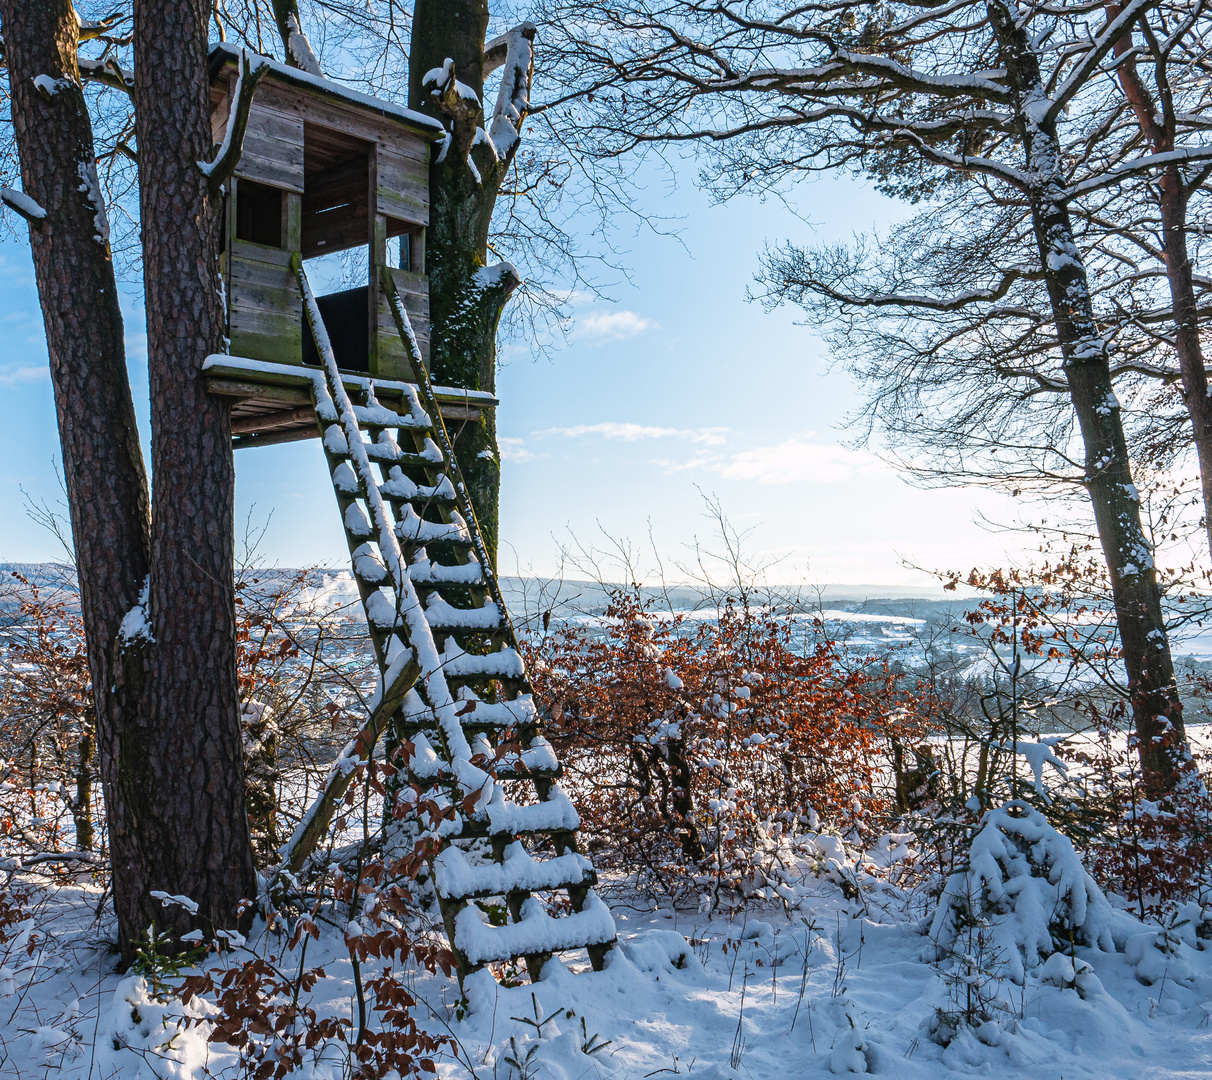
454, 686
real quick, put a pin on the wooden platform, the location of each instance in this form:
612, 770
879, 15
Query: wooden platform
272, 402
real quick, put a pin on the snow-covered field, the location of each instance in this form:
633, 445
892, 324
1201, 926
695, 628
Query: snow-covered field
837, 971
824, 986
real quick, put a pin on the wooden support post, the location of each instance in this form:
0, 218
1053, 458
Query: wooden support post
296, 852
229, 247
292, 221
377, 252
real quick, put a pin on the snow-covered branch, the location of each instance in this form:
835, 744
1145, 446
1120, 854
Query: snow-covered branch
1099, 48
979, 86
962, 162
108, 73
228, 156
20, 203
460, 104
514, 50
1140, 165
907, 300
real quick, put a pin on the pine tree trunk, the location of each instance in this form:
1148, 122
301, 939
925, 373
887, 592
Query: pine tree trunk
466, 297
102, 461
1156, 708
185, 827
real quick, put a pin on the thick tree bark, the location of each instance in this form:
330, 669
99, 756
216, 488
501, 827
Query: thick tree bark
184, 827
1172, 203
1157, 710
466, 297
102, 461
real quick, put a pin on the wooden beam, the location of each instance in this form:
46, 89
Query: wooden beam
275, 437
221, 368
245, 390
254, 425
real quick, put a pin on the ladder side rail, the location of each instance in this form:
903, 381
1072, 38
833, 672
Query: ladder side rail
442, 438
407, 602
565, 841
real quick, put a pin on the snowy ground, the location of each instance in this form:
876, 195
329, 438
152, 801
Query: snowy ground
836, 985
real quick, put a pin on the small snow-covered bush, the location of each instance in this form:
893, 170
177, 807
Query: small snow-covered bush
1025, 881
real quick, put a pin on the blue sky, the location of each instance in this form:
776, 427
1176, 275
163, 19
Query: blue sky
677, 385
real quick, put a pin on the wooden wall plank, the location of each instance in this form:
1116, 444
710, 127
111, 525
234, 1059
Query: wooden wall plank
414, 292
243, 250
314, 107
276, 348
268, 298
403, 187
273, 150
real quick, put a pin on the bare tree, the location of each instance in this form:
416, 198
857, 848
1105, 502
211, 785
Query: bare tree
931, 100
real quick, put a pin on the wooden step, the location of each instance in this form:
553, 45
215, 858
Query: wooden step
461, 879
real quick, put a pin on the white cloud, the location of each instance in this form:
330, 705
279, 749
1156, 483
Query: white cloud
602, 326
29, 373
794, 462
624, 432
514, 450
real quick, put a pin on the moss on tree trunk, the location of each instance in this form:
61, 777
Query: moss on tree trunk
466, 294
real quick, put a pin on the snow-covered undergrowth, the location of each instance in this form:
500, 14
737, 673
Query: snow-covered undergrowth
1025, 883
842, 972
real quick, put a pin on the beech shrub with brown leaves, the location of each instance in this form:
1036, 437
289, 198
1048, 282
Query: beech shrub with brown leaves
692, 747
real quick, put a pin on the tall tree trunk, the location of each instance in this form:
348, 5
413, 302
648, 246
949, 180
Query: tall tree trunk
102, 461
1172, 203
1156, 708
466, 296
185, 827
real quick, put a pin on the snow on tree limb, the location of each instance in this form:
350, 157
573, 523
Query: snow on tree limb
513, 97
20, 203
1089, 63
228, 156
300, 50
1140, 165
108, 73
929, 303
461, 105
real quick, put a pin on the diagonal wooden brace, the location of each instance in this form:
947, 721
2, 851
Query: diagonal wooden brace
321, 812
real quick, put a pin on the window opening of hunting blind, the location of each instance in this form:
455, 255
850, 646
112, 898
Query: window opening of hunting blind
259, 210
336, 218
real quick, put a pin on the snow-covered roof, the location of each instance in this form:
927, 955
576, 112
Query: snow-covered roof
221, 53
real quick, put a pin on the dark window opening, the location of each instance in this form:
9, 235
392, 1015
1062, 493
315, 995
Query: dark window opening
336, 191
410, 254
346, 317
258, 213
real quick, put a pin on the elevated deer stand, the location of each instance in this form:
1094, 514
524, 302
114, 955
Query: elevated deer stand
324, 169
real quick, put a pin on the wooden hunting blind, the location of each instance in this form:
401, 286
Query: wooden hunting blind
324, 169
